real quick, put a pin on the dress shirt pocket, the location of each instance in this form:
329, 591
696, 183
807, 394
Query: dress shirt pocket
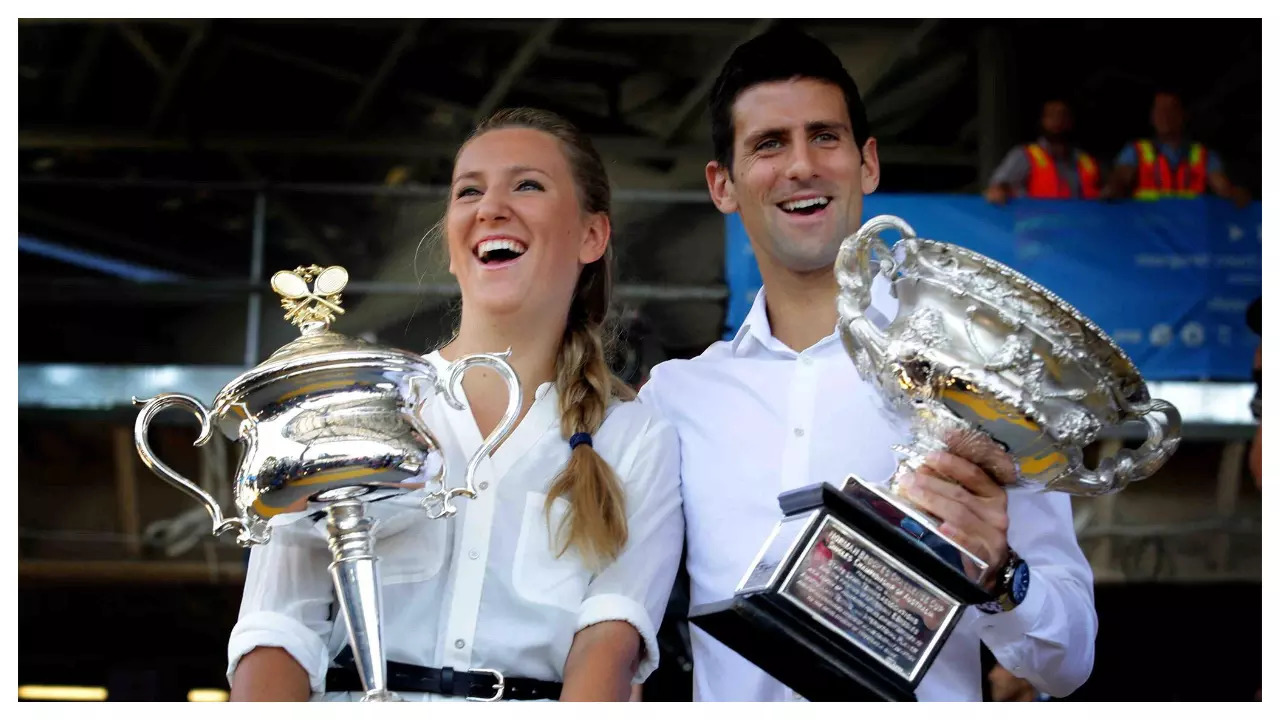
539, 576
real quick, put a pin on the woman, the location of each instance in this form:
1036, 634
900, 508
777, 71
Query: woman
559, 571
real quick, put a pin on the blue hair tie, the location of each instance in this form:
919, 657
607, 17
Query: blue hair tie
577, 439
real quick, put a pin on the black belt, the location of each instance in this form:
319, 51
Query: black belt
474, 684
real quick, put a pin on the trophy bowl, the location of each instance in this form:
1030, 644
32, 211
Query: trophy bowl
330, 423
983, 361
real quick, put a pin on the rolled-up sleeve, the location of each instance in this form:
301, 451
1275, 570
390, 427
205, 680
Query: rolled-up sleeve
1049, 638
287, 604
635, 587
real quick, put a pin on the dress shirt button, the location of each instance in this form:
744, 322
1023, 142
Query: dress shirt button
806, 361
459, 644
484, 485
473, 554
799, 432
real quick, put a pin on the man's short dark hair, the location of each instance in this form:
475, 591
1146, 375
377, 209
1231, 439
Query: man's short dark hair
776, 55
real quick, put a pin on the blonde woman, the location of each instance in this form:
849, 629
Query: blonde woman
558, 574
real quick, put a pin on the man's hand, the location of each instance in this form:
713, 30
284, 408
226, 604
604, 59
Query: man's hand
997, 194
1240, 197
972, 506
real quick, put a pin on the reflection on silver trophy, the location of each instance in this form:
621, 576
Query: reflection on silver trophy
985, 361
330, 423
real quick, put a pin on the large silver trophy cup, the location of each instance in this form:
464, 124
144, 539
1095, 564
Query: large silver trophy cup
984, 361
330, 423
856, 590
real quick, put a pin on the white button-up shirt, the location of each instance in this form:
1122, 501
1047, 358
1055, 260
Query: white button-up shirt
755, 419
484, 589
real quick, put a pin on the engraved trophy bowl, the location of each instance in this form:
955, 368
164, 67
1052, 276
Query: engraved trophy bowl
982, 360
330, 423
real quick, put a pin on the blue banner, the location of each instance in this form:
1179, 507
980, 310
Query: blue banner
1169, 281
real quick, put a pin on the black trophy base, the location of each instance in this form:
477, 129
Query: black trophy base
795, 653
822, 622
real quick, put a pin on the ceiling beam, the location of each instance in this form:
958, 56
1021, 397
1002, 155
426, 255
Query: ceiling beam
408, 36
341, 74
613, 147
296, 60
592, 57
523, 58
84, 64
303, 239
173, 77
920, 92
907, 49
64, 226
696, 96
148, 53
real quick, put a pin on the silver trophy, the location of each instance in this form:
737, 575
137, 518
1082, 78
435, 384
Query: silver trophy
331, 423
981, 359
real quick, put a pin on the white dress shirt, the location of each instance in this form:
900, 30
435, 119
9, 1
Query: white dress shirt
483, 589
756, 418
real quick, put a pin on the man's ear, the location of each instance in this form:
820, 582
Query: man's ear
720, 184
870, 167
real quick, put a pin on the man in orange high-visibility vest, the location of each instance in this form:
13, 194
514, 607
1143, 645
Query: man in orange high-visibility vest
1051, 167
1170, 165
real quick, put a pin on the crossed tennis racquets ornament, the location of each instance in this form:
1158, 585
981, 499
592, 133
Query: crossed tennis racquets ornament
311, 293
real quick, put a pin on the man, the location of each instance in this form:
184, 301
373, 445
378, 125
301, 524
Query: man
780, 406
1171, 165
1049, 168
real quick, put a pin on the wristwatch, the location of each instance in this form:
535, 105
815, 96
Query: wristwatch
1015, 578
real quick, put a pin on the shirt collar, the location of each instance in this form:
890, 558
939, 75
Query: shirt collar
755, 326
756, 329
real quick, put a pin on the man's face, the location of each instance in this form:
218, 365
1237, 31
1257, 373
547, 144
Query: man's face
798, 178
1166, 114
1056, 120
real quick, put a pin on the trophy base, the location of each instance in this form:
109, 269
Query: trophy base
841, 603
808, 659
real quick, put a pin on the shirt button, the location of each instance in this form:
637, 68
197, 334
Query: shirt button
806, 361
459, 644
484, 485
799, 432
473, 554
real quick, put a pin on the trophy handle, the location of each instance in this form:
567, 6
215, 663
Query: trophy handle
864, 342
451, 388
153, 407
1164, 432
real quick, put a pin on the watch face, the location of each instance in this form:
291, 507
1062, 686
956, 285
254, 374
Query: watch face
1020, 582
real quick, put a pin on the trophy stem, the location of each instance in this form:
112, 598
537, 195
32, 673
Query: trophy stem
355, 578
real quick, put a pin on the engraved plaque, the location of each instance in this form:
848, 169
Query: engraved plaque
872, 600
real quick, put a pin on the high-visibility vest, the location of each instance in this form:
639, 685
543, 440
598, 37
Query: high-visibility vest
1157, 180
1045, 183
